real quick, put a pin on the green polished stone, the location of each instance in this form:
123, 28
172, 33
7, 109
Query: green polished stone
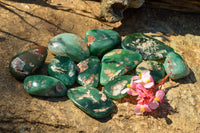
148, 47
63, 68
69, 44
88, 72
156, 69
174, 63
101, 41
40, 85
91, 101
113, 88
27, 62
117, 62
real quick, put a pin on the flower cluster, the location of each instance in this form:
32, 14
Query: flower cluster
149, 96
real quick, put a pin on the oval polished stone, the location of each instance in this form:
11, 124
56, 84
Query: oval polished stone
63, 68
27, 62
113, 88
156, 69
175, 64
69, 44
89, 71
148, 47
117, 62
40, 85
101, 41
91, 101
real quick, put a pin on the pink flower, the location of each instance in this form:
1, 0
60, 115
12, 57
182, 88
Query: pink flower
159, 97
141, 108
130, 89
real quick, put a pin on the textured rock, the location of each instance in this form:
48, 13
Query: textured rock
69, 44
88, 72
117, 62
101, 41
174, 63
63, 68
148, 47
27, 62
40, 85
156, 69
91, 101
113, 88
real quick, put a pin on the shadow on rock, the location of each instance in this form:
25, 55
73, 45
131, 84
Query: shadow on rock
189, 79
52, 99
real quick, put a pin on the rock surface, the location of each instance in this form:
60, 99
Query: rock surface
37, 21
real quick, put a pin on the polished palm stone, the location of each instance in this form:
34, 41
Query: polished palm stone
156, 69
117, 62
101, 41
69, 44
27, 62
113, 88
175, 64
88, 72
63, 68
40, 85
91, 101
148, 47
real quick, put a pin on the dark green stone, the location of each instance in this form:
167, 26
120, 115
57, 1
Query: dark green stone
27, 62
113, 88
40, 85
117, 62
156, 69
88, 72
148, 47
69, 44
91, 101
174, 63
62, 68
101, 41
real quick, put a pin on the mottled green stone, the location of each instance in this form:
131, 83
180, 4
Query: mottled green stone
113, 88
63, 68
88, 72
69, 44
117, 62
156, 69
174, 63
148, 47
27, 62
91, 101
101, 41
40, 85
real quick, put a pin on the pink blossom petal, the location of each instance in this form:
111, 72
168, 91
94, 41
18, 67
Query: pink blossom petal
138, 81
137, 110
135, 78
149, 85
146, 107
133, 84
132, 92
125, 90
160, 94
153, 105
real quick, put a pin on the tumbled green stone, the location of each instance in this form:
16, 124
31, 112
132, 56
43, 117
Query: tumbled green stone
63, 68
156, 69
40, 85
88, 72
117, 62
175, 64
91, 101
101, 41
113, 88
27, 62
69, 44
148, 47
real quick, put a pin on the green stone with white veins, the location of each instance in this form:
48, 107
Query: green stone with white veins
148, 47
113, 88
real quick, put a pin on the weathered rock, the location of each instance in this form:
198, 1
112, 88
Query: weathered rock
113, 88
148, 47
69, 44
156, 69
174, 63
27, 62
40, 85
101, 41
117, 62
63, 68
91, 101
88, 72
